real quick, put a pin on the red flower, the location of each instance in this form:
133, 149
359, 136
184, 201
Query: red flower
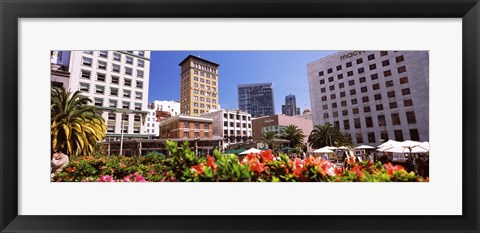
211, 162
298, 167
71, 169
391, 169
250, 156
266, 155
256, 166
357, 170
198, 168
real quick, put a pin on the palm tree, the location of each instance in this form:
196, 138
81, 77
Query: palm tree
326, 135
268, 137
76, 127
293, 134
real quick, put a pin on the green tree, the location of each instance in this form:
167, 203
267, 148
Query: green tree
75, 126
268, 137
327, 135
293, 134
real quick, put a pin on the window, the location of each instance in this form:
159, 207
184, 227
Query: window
377, 96
342, 94
325, 115
387, 73
86, 61
186, 134
138, 95
125, 105
411, 117
366, 109
372, 66
102, 65
325, 107
320, 73
371, 57
116, 68
414, 135
330, 70
214, 83
322, 81
117, 56
100, 77
86, 74
139, 84
330, 79
399, 59
391, 94
353, 92
324, 98
322, 89
362, 79
340, 76
346, 124
202, 80
112, 116
407, 103
84, 87
128, 71
379, 107
185, 124
333, 96
376, 86
115, 80
344, 112
334, 105
371, 137
113, 91
126, 93
111, 129
112, 104
127, 82
357, 124
384, 136
351, 82
385, 63
369, 122
350, 73
393, 105
214, 89
349, 64
403, 80
381, 120
365, 99
355, 111
339, 67
359, 61
141, 53
140, 73
335, 114
374, 76
99, 89
389, 83
98, 102
341, 85
383, 53
344, 103
361, 70
129, 60
195, 104
406, 91
398, 135
332, 88
88, 52
140, 63
103, 54
402, 69
363, 89
359, 138
395, 119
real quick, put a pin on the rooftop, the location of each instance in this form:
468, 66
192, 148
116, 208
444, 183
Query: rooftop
198, 58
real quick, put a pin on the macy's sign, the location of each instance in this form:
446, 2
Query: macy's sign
351, 54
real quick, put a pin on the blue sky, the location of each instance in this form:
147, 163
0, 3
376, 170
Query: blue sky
287, 70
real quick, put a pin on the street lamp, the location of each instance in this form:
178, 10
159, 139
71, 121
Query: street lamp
122, 111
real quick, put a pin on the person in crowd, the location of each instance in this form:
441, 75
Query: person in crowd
59, 161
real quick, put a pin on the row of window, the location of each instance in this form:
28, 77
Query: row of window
378, 107
204, 68
100, 77
378, 96
381, 121
114, 104
236, 116
231, 124
204, 87
414, 135
232, 133
85, 87
114, 68
111, 129
202, 80
118, 56
186, 134
373, 77
203, 99
359, 61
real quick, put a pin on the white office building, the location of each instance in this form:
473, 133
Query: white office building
373, 96
152, 124
234, 126
116, 81
171, 106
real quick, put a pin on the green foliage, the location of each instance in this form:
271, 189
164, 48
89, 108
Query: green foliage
327, 135
293, 134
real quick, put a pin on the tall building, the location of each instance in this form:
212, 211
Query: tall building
256, 99
233, 126
153, 125
373, 96
198, 86
290, 106
115, 81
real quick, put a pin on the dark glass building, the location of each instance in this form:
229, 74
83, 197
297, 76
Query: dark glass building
290, 107
256, 99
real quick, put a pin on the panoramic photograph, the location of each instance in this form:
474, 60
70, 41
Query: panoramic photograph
239, 116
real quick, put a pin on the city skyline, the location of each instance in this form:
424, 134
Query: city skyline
285, 69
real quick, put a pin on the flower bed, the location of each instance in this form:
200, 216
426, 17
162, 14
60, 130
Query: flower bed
184, 165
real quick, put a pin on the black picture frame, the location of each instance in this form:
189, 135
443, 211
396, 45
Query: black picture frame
11, 11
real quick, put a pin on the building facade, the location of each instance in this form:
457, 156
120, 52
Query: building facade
373, 96
198, 86
116, 82
276, 123
184, 126
171, 106
256, 99
234, 126
152, 124
290, 106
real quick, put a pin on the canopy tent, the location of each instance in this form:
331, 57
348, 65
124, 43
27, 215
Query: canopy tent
322, 150
229, 151
238, 151
389, 143
251, 151
343, 148
363, 147
287, 149
329, 147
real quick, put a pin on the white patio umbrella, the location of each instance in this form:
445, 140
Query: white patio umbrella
364, 147
343, 148
322, 150
400, 149
388, 143
329, 147
251, 151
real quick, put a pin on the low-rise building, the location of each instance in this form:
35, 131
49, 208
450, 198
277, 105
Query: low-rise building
184, 126
234, 126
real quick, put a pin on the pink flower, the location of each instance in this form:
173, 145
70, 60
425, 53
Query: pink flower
127, 178
106, 178
139, 178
